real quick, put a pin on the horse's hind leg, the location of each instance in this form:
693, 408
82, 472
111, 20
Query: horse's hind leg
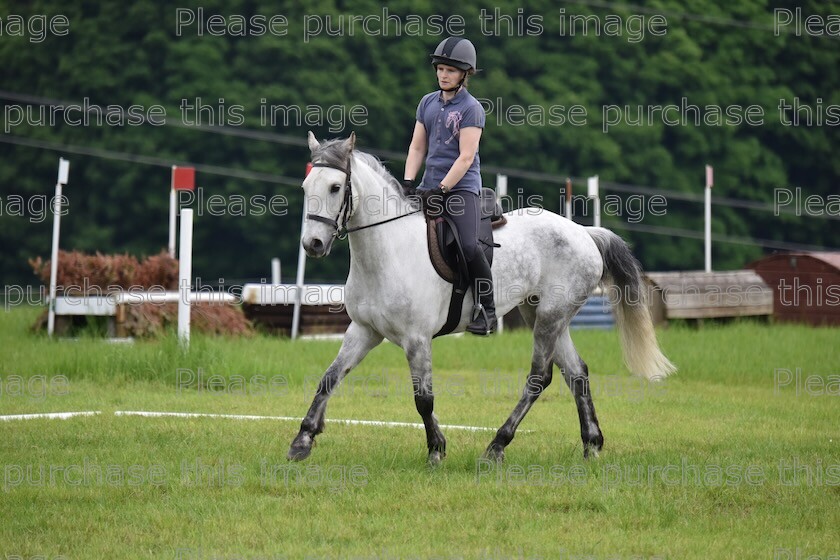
419, 354
576, 374
358, 341
539, 377
529, 314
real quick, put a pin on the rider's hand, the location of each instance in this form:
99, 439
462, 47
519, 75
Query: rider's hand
408, 187
431, 201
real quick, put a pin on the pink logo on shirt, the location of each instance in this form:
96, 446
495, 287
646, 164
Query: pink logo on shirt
453, 119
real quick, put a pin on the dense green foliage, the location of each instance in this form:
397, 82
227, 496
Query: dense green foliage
129, 53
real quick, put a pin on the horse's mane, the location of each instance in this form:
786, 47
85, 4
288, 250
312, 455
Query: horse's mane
379, 168
330, 152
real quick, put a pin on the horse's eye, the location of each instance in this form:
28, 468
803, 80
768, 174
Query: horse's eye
335, 188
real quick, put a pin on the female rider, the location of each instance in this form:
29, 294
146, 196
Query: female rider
447, 133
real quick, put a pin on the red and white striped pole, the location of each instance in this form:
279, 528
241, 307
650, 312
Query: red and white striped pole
708, 216
183, 179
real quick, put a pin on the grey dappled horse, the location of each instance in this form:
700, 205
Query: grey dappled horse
546, 265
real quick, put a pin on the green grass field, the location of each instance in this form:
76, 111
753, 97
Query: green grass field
731, 458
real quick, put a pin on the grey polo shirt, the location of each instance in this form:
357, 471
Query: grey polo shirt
443, 122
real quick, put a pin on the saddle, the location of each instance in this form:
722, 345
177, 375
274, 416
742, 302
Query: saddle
448, 257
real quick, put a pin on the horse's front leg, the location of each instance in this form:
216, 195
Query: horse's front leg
358, 341
419, 354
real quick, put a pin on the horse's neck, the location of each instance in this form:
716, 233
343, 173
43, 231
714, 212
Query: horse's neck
377, 246
376, 200
382, 254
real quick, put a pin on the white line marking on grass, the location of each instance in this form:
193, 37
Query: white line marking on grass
200, 415
49, 415
292, 419
148, 414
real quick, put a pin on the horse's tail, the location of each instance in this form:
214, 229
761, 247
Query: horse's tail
629, 302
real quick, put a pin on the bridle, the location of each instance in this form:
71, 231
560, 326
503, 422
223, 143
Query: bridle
339, 224
346, 209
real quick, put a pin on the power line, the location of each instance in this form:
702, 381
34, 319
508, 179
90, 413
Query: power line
250, 175
687, 233
277, 179
294, 140
148, 160
716, 200
275, 137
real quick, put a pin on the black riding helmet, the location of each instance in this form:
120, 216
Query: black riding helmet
457, 52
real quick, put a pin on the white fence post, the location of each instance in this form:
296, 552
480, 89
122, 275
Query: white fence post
299, 281
501, 192
569, 213
592, 192
185, 278
63, 176
275, 271
501, 185
172, 213
708, 216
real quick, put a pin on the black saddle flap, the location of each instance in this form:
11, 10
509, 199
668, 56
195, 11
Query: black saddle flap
452, 254
446, 235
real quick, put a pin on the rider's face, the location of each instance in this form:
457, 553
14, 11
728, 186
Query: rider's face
448, 76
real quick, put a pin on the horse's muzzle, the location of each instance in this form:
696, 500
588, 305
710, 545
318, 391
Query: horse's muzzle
316, 248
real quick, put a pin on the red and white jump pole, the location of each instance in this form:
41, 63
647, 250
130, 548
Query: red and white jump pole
63, 176
183, 179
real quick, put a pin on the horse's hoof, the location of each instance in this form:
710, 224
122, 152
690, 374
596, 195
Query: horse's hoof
298, 453
435, 458
592, 448
495, 453
300, 449
590, 452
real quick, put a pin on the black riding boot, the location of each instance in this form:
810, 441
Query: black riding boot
484, 313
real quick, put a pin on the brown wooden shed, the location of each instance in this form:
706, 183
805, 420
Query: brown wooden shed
806, 286
698, 295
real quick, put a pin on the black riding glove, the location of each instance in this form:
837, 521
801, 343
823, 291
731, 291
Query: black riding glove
431, 201
408, 187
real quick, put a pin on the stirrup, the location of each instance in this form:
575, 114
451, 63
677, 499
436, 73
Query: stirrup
480, 323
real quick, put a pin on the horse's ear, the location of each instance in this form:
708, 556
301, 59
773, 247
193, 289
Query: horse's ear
313, 143
351, 142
